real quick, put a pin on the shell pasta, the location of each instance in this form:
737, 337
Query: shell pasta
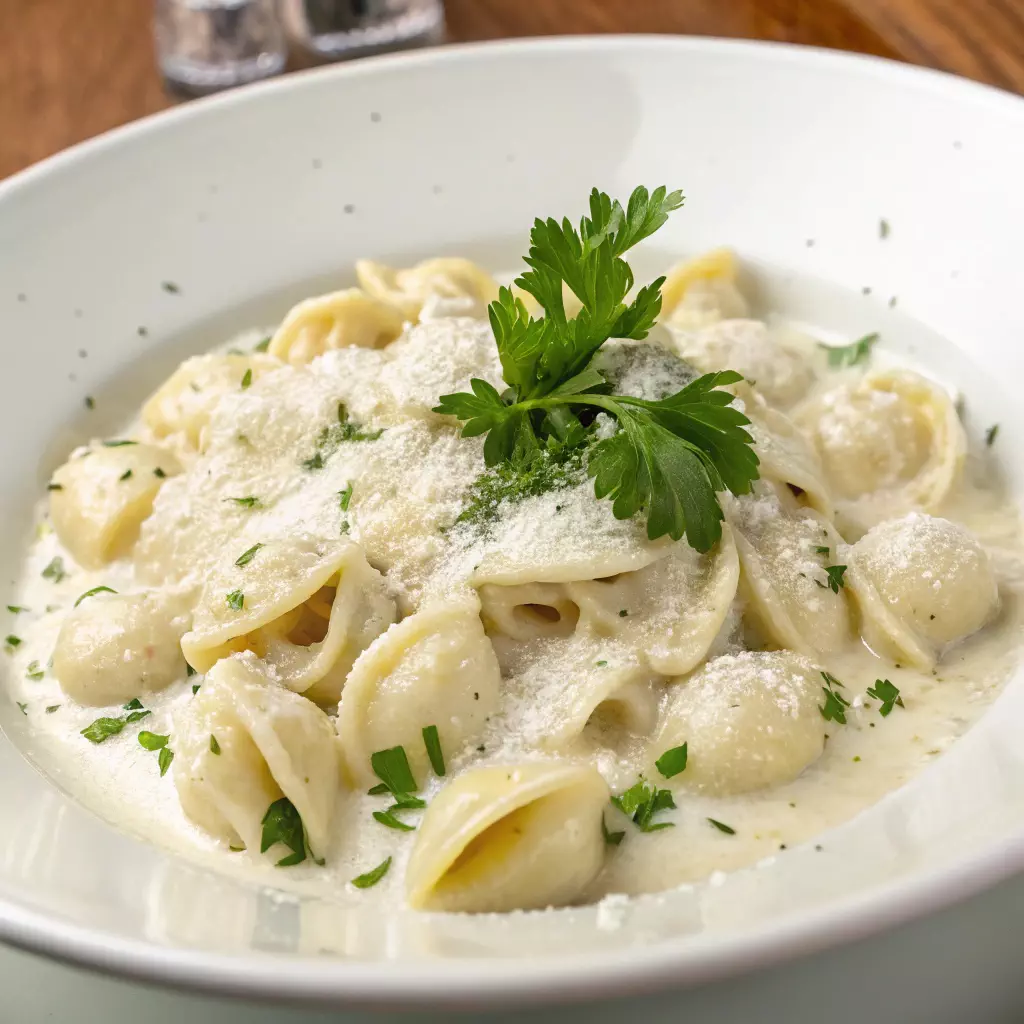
355, 647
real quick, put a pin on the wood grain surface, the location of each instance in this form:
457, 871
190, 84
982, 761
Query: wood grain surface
70, 69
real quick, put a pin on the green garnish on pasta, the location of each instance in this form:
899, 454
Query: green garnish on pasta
668, 458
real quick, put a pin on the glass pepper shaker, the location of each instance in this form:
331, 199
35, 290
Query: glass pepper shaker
204, 46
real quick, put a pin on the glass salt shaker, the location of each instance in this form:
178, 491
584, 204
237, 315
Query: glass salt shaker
204, 46
339, 29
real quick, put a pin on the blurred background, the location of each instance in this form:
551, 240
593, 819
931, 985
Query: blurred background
70, 69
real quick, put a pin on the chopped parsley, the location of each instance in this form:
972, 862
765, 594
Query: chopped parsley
34, 672
883, 229
236, 600
103, 728
331, 437
432, 741
282, 824
133, 705
54, 487
387, 818
11, 641
214, 745
672, 762
991, 434
850, 355
126, 475
247, 378
195, 688
247, 556
164, 759
821, 549
371, 878
50, 708
152, 740
170, 287
16, 609
345, 496
669, 457
641, 802
392, 768
887, 694
263, 344
118, 443
247, 502
722, 827
610, 838
835, 577
92, 592
55, 570
159, 473
834, 708
90, 402
23, 708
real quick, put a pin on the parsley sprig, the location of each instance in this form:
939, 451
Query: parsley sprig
669, 457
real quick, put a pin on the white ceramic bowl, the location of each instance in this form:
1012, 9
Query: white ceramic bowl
252, 200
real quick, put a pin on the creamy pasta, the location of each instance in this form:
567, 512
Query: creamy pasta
290, 620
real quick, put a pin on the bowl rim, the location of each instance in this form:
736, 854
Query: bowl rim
492, 982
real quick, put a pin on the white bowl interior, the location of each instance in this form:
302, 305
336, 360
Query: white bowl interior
251, 201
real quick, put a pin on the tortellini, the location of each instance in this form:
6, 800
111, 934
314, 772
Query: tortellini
750, 721
922, 583
791, 600
435, 667
891, 443
99, 498
241, 743
447, 286
306, 606
703, 291
516, 837
781, 364
114, 647
179, 410
337, 320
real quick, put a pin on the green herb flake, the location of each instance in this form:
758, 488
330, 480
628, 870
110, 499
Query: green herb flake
247, 502
34, 672
152, 740
90, 402
126, 475
887, 694
392, 768
672, 762
51, 708
371, 878
118, 443
54, 487
133, 705
883, 229
12, 641
345, 496
195, 688
610, 838
991, 434
263, 344
851, 355
835, 577
247, 379
282, 824
333, 436
92, 593
641, 802
432, 741
247, 556
136, 716
214, 745
17, 609
822, 550
235, 600
170, 287
834, 708
23, 708
102, 729
158, 472
164, 759
388, 819
55, 570
722, 827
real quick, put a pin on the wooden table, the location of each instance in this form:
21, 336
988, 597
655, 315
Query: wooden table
70, 69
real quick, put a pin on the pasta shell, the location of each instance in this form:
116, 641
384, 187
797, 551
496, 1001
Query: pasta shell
703, 291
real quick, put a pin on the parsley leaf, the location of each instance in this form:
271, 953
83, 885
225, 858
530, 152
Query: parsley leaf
345, 496
92, 592
102, 729
835, 577
722, 827
282, 824
388, 819
263, 344
214, 745
133, 705
248, 555
118, 444
164, 759
246, 502
392, 768
672, 762
247, 378
888, 694
432, 741
669, 458
235, 600
852, 354
55, 570
641, 802
11, 641
152, 740
991, 434
834, 708
371, 878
